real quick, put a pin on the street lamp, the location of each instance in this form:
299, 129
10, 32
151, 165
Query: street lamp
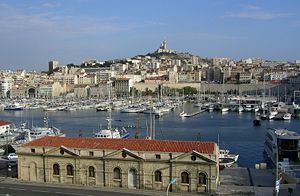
173, 181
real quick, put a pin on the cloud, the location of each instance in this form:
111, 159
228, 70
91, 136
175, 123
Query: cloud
256, 15
251, 7
14, 20
51, 4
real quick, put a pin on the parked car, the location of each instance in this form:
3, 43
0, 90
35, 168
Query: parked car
11, 156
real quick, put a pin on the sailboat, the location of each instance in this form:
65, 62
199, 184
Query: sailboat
111, 132
223, 108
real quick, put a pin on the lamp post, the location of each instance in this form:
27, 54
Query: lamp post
173, 181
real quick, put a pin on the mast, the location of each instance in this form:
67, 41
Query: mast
109, 107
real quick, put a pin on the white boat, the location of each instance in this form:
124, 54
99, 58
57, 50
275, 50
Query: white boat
226, 162
241, 108
287, 116
211, 108
225, 154
281, 144
132, 110
111, 132
224, 109
272, 115
14, 106
38, 132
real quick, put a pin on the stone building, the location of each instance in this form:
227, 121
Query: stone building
130, 163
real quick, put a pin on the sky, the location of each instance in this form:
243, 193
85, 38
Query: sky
33, 32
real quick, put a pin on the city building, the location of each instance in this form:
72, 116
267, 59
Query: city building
130, 163
123, 86
53, 65
4, 126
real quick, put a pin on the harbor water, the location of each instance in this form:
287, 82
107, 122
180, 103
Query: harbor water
235, 130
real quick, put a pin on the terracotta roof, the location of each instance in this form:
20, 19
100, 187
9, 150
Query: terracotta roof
130, 144
2, 123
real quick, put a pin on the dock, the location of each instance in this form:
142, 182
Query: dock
194, 113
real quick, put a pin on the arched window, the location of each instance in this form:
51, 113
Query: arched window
91, 171
185, 178
202, 178
55, 169
117, 173
70, 171
157, 174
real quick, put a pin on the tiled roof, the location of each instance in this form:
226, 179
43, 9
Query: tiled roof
130, 144
2, 123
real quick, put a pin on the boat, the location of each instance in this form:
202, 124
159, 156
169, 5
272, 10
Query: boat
101, 108
226, 162
281, 145
225, 154
14, 106
38, 132
287, 116
224, 109
111, 132
241, 108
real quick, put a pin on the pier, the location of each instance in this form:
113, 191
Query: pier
193, 114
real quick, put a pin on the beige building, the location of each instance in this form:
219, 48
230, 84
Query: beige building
131, 163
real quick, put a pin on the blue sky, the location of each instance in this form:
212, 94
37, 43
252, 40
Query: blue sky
32, 32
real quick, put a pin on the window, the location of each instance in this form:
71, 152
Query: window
157, 156
33, 150
55, 169
157, 174
184, 177
124, 155
91, 171
202, 178
70, 171
62, 152
117, 173
91, 153
193, 158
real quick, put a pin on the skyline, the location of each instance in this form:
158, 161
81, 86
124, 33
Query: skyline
35, 32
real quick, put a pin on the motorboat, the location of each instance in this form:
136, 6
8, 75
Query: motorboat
224, 109
38, 132
226, 162
241, 108
280, 145
287, 116
14, 106
110, 132
225, 154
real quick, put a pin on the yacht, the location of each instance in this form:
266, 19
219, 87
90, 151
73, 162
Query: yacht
111, 132
38, 132
225, 154
281, 145
14, 106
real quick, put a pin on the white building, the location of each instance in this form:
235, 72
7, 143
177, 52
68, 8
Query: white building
6, 85
4, 126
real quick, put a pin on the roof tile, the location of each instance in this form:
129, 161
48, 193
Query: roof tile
130, 144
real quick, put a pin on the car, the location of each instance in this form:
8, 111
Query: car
12, 156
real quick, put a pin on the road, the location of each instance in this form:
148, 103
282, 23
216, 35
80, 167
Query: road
21, 189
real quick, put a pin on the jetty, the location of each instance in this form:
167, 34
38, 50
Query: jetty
186, 115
